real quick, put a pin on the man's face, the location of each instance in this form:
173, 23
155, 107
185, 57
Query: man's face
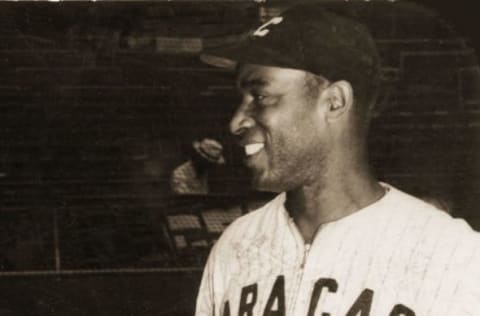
279, 124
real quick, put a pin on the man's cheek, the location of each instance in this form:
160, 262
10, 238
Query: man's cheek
270, 117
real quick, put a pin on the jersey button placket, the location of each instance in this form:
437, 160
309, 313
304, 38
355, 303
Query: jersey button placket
299, 299
305, 285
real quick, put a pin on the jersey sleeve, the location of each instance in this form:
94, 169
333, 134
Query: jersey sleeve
468, 303
210, 287
473, 289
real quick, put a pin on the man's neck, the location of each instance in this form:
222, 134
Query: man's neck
314, 205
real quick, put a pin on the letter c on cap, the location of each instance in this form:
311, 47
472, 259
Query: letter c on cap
262, 30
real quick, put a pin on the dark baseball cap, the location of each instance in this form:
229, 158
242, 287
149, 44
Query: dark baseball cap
308, 37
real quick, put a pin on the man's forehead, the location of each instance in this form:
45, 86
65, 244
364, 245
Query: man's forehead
257, 75
252, 74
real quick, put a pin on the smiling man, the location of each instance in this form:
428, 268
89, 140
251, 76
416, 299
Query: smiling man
335, 241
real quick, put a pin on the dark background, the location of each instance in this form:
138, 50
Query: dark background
97, 108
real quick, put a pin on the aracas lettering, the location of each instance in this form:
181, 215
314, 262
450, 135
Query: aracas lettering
275, 305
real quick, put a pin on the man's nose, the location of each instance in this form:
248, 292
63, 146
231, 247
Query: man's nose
241, 120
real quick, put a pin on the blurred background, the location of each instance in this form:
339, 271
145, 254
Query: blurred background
101, 103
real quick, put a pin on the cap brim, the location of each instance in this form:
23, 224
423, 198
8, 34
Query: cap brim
227, 57
217, 61
247, 53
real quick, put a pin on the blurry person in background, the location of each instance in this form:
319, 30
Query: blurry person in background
191, 177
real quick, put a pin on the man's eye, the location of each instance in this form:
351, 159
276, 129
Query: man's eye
269, 101
264, 100
259, 97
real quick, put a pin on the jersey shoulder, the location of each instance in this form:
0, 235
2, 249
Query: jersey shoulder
420, 211
258, 222
432, 230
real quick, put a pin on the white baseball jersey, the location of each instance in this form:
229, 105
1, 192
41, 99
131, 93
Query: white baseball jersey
396, 257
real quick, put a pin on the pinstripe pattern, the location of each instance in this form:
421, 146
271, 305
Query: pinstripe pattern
400, 251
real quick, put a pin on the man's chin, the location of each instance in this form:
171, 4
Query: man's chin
262, 183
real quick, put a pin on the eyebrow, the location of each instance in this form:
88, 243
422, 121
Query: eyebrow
250, 83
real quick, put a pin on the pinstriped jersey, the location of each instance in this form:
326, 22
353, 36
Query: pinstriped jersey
397, 256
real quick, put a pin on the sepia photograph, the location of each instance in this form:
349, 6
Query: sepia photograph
240, 157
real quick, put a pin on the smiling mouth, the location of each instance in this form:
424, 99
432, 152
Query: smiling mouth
252, 149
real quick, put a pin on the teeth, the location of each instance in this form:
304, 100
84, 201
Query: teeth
252, 149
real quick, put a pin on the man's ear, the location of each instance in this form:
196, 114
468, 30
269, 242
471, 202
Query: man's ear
339, 99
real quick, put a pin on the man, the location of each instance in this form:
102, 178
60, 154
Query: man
335, 241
